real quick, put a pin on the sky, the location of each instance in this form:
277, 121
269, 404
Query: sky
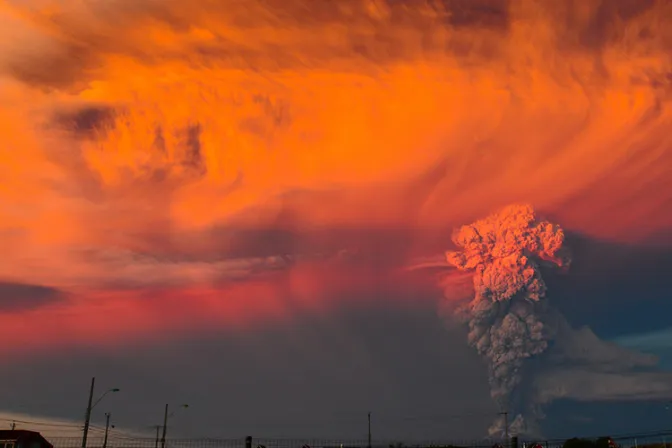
215, 203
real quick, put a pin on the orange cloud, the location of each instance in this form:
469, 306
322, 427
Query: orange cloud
165, 129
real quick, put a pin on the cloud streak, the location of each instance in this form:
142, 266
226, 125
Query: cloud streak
16, 297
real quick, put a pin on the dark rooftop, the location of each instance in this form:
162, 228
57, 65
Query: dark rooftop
16, 434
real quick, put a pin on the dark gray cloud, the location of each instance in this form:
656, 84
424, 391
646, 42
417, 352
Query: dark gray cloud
84, 121
16, 297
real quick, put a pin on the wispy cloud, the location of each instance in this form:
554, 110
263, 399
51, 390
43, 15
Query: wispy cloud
584, 368
655, 340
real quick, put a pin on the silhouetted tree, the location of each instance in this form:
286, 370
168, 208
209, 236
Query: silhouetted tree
579, 443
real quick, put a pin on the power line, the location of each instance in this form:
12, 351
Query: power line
26, 422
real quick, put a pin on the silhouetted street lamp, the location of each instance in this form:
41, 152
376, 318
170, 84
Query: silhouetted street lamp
90, 407
165, 423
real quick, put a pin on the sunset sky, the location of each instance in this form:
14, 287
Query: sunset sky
213, 202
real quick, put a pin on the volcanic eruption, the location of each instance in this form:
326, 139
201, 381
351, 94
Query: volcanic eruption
506, 317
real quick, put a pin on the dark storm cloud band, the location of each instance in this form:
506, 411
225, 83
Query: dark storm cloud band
17, 297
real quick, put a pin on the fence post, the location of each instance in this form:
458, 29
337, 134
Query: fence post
248, 442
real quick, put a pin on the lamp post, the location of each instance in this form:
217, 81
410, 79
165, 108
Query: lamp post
165, 423
90, 407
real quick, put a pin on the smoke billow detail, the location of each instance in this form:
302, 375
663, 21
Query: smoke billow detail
505, 318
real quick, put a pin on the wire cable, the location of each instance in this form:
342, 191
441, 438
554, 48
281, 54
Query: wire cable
26, 422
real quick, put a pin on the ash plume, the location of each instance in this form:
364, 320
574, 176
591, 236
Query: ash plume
506, 317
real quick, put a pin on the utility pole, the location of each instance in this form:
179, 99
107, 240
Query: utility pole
13, 426
87, 419
156, 442
506, 428
107, 428
369, 446
165, 425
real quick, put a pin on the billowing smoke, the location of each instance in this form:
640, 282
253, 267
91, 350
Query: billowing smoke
506, 324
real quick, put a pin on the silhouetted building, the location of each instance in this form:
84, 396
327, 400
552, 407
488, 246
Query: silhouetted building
19, 438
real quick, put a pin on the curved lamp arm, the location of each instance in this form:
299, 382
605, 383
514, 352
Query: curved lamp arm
103, 396
183, 406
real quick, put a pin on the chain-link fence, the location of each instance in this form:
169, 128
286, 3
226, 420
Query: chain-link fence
661, 439
140, 442
130, 442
